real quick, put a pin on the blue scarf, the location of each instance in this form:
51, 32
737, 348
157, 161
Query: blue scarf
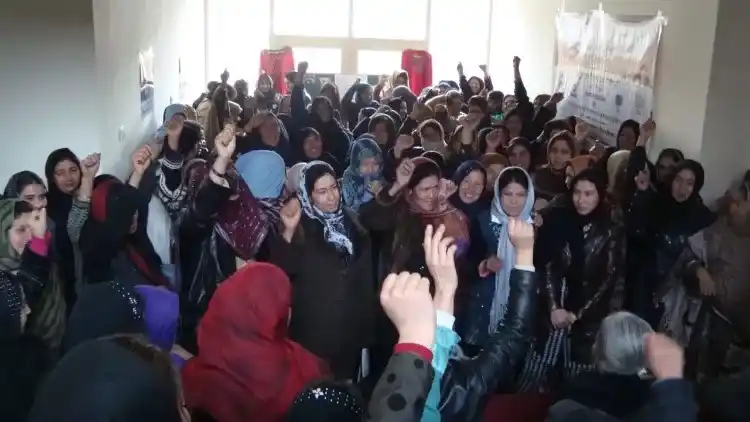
505, 250
355, 184
264, 173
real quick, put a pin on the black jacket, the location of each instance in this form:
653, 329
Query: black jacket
467, 384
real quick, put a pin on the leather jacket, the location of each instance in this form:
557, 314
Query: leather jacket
467, 384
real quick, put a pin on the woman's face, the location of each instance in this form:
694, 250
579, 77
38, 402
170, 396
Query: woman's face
513, 199
664, 167
269, 132
585, 197
19, 233
426, 193
264, 86
471, 187
403, 110
475, 85
381, 133
429, 134
520, 156
515, 125
312, 146
683, 185
493, 170
325, 194
497, 137
627, 139
509, 102
365, 96
328, 92
35, 194
559, 154
400, 81
369, 166
67, 176
323, 112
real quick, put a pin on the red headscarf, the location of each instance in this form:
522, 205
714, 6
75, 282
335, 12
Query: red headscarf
247, 369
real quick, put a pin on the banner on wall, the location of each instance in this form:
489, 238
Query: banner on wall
606, 69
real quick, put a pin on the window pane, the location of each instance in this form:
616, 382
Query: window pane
319, 18
447, 48
378, 62
401, 19
320, 60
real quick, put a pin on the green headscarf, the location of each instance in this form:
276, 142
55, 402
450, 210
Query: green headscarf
10, 260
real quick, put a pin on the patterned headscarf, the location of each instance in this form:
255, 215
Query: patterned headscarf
9, 259
355, 192
505, 250
334, 228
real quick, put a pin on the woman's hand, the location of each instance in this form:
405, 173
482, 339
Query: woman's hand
90, 165
226, 142
375, 187
404, 172
460, 69
38, 223
582, 130
440, 253
402, 143
648, 128
561, 318
706, 282
489, 266
291, 213
141, 159
407, 302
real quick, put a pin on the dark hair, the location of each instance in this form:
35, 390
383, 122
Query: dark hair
379, 118
427, 94
568, 138
395, 103
315, 172
632, 124
674, 154
20, 208
519, 141
368, 111
308, 131
496, 96
693, 166
452, 97
423, 170
596, 177
479, 101
512, 175
19, 181
555, 125
482, 137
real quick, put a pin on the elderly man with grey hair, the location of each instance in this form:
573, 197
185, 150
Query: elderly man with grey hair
620, 387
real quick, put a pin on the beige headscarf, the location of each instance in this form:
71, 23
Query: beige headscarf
616, 167
9, 259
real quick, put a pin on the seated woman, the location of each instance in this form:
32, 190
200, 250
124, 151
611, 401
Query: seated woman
247, 367
328, 253
620, 386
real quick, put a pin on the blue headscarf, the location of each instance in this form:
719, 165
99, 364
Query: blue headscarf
264, 172
355, 184
505, 250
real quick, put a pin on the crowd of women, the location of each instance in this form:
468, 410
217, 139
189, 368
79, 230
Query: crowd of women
382, 255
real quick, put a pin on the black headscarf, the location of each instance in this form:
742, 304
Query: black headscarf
107, 233
470, 210
58, 208
687, 217
327, 401
104, 309
103, 381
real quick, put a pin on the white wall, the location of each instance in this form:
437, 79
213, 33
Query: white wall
122, 29
48, 82
725, 151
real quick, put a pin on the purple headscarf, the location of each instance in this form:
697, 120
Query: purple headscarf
161, 312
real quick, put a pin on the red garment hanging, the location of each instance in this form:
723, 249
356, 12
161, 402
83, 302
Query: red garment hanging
277, 63
418, 64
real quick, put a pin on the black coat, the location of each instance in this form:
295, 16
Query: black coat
467, 384
333, 295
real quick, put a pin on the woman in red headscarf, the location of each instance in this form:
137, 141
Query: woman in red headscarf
247, 369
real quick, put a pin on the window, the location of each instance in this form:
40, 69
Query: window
454, 38
319, 18
320, 60
378, 62
397, 20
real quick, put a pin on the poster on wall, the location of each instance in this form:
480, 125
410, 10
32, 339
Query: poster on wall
146, 64
606, 69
